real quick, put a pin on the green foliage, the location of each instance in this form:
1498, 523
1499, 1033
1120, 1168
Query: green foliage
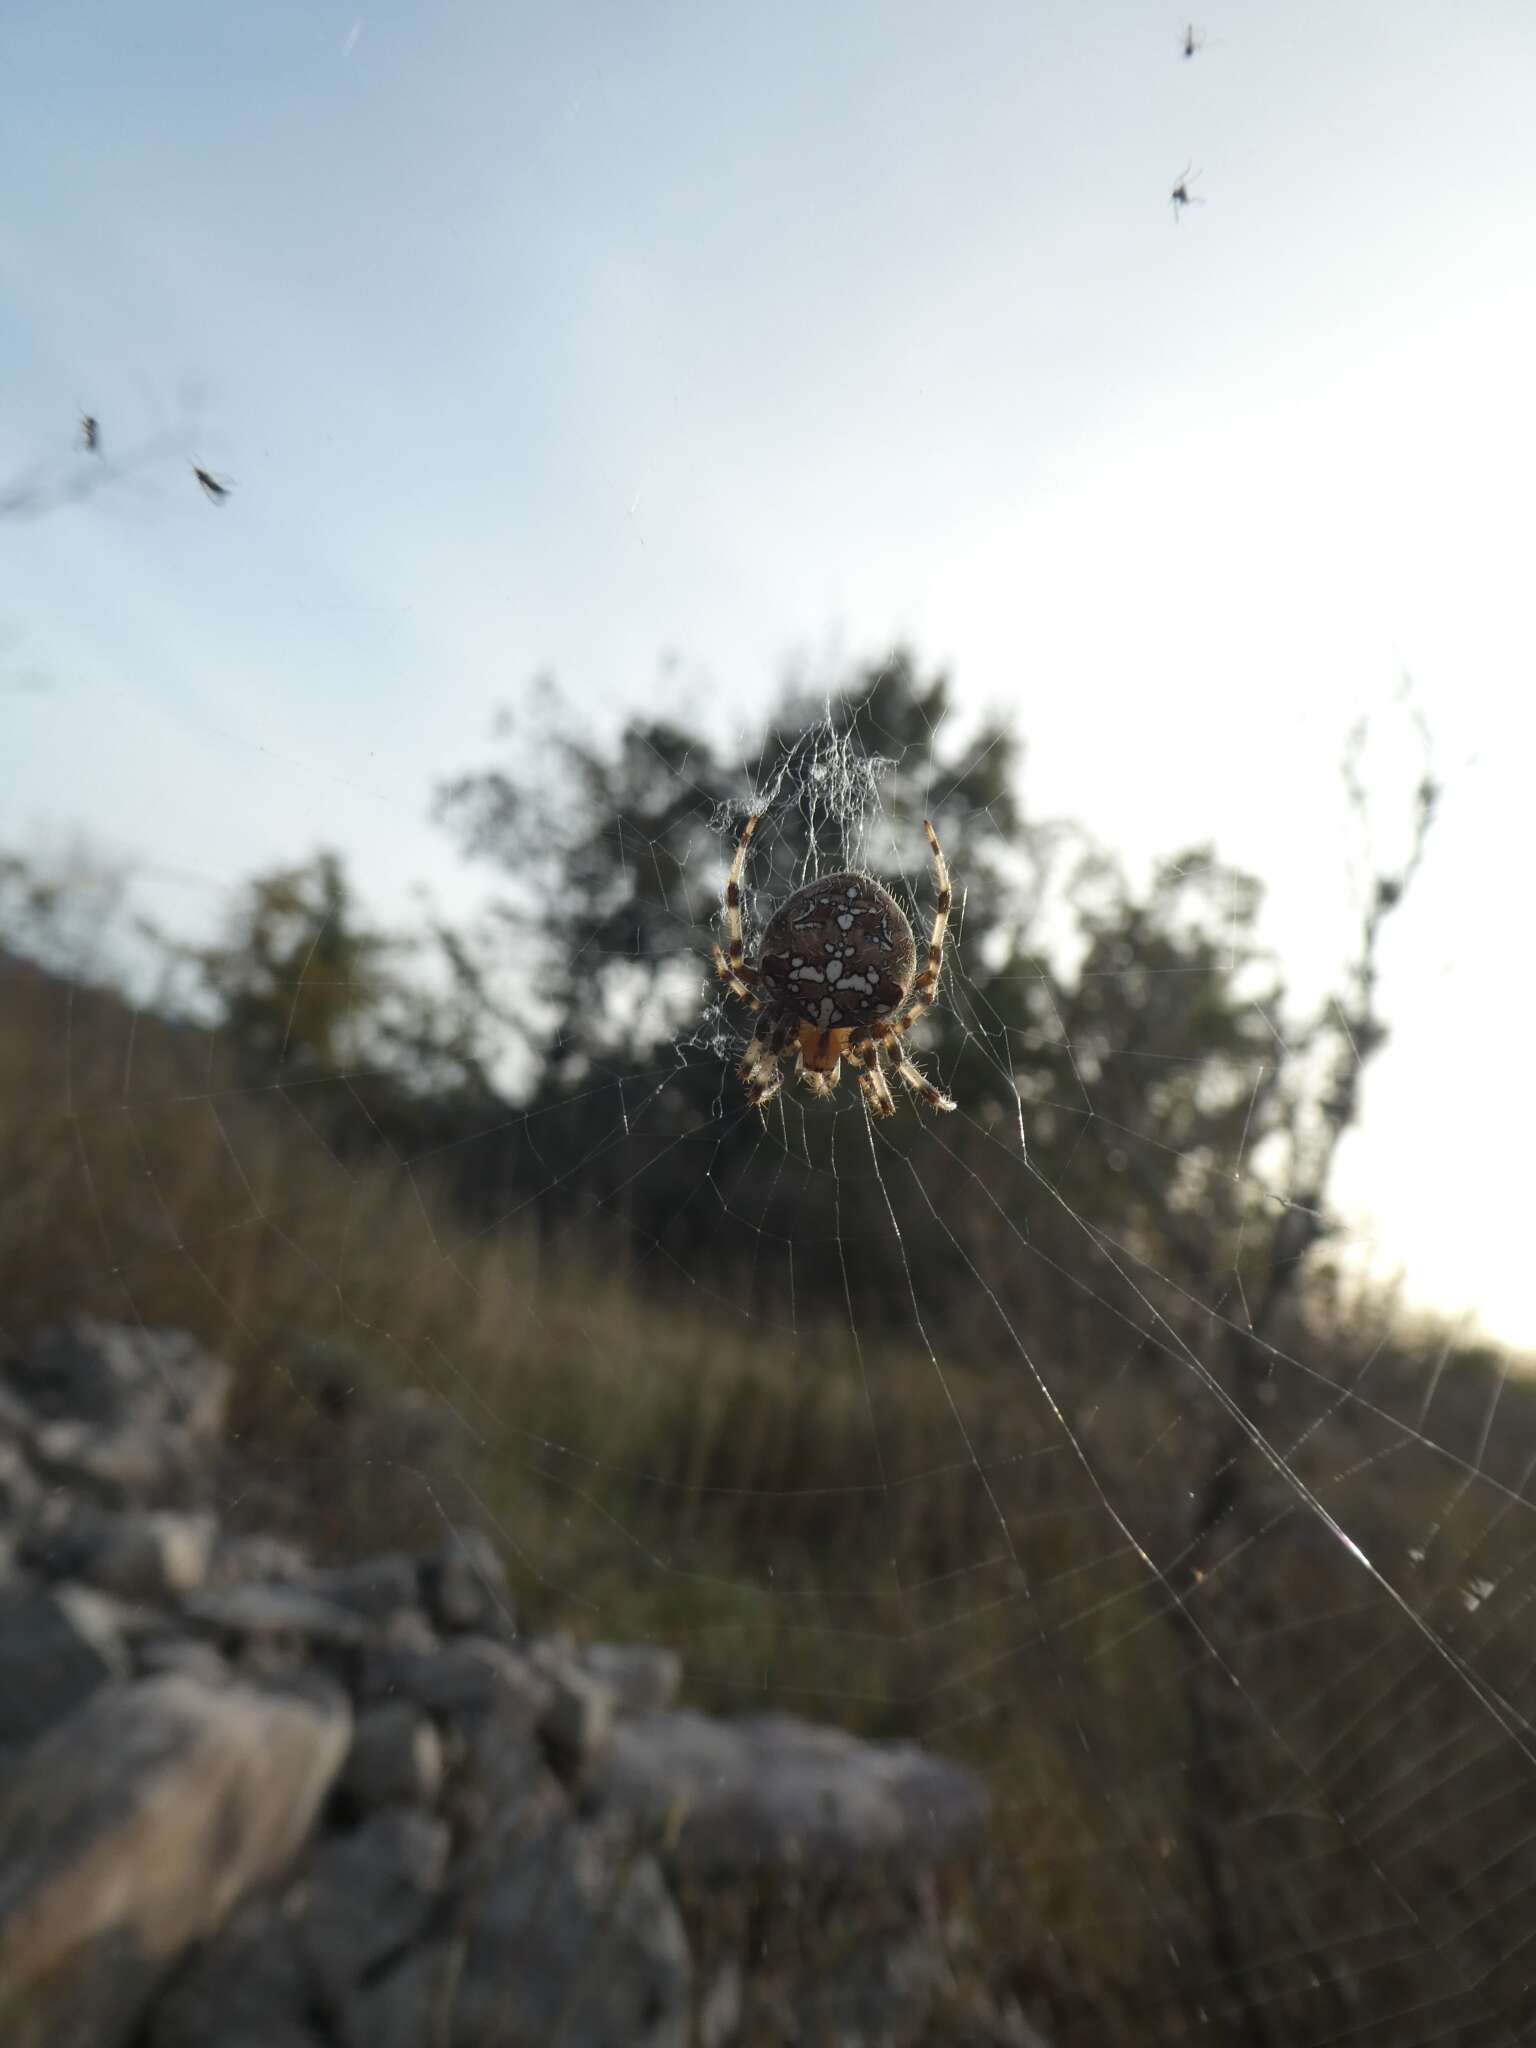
617, 850
299, 981
1135, 1058
60, 913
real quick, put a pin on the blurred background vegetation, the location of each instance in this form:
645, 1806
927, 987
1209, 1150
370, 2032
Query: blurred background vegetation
1034, 1433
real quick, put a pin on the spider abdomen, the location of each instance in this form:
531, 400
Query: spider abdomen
838, 953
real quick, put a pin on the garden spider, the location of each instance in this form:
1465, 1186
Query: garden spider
834, 980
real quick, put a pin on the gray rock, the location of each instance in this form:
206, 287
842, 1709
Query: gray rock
408, 1629
140, 1555
276, 1611
159, 1556
396, 1758
53, 1656
735, 1796
130, 1412
412, 2005
569, 1934
16, 1418
130, 1464
464, 1586
114, 1373
247, 1988
160, 1656
642, 1678
467, 1679
502, 1781
63, 1534
376, 1589
253, 1557
559, 1941
577, 1723
148, 1817
21, 1491
369, 1893
112, 1625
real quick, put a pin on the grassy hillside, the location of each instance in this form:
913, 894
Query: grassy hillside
655, 1467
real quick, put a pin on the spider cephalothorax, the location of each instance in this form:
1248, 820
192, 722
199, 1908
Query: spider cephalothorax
834, 980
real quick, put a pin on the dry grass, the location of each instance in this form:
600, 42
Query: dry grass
655, 1469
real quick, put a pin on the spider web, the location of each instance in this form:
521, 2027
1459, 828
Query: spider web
1344, 1884
881, 1427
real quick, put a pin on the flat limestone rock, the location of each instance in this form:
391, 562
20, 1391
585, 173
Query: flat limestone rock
771, 1791
135, 1829
276, 1611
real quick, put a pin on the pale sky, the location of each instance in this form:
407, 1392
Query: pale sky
564, 338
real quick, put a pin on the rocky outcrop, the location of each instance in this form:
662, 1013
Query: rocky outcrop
133, 1830
250, 1801
776, 1793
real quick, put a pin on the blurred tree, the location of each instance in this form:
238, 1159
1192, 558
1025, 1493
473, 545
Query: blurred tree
300, 982
1134, 1057
617, 852
60, 910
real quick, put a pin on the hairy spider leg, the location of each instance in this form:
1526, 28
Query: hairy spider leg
734, 981
760, 1071
889, 1030
926, 986
733, 894
872, 1082
767, 1081
918, 1081
866, 1057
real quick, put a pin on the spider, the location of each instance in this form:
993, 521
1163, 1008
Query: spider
834, 980
1181, 196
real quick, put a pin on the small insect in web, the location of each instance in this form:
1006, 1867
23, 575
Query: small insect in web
1181, 196
1193, 40
835, 979
90, 433
212, 487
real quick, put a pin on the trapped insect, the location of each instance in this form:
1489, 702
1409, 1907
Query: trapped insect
1181, 196
1193, 40
90, 433
211, 485
835, 979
